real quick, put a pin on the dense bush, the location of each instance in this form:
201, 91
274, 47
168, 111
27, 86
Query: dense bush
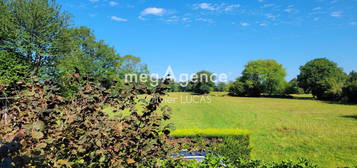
202, 82
350, 88
323, 78
237, 88
214, 161
41, 128
293, 88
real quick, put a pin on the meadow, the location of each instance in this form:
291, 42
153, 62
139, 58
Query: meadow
322, 132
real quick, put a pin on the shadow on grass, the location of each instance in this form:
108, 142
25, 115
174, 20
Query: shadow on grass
337, 102
350, 116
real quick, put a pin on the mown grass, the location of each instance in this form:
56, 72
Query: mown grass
209, 132
322, 132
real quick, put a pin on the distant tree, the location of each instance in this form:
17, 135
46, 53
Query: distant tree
263, 77
132, 65
350, 88
220, 87
237, 88
293, 88
202, 82
322, 77
173, 87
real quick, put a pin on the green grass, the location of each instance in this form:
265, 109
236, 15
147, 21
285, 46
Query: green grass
209, 132
280, 129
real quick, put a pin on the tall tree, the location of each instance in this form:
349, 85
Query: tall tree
78, 48
322, 77
29, 27
263, 77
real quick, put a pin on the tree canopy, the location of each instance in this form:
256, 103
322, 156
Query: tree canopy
322, 77
202, 82
260, 77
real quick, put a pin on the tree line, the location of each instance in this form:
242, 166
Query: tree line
266, 77
37, 39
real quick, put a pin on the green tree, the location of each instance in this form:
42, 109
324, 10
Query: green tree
220, 87
202, 82
13, 68
28, 28
350, 88
322, 77
78, 47
263, 77
237, 88
293, 88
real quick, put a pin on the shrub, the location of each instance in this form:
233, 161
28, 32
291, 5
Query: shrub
293, 88
237, 89
350, 88
43, 129
202, 82
220, 161
329, 89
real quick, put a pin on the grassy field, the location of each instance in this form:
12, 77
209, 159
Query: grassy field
322, 132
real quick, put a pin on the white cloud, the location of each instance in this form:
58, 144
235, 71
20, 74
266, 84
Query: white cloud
231, 7
336, 14
206, 6
317, 8
113, 3
93, 1
244, 24
220, 7
353, 23
263, 24
205, 20
119, 19
268, 5
290, 9
271, 16
153, 11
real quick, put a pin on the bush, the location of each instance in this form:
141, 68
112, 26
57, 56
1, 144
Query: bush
237, 89
202, 82
350, 88
43, 129
293, 88
234, 148
328, 89
214, 161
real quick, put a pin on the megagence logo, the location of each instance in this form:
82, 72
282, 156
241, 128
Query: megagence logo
182, 78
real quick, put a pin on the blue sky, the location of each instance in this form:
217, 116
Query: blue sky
222, 36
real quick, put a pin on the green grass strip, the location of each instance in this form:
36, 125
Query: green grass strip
209, 132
